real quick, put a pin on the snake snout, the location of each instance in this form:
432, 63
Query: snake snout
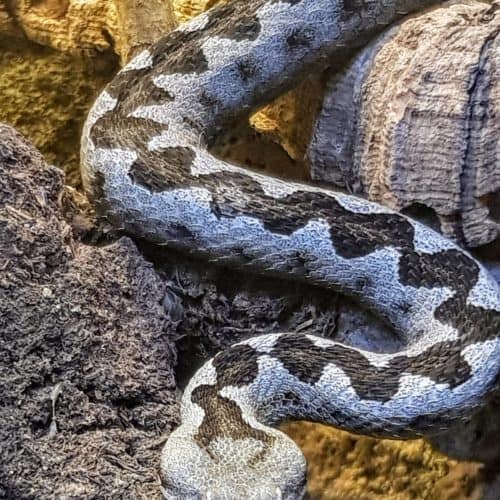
229, 469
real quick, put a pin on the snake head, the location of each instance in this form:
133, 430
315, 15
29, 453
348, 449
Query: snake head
231, 469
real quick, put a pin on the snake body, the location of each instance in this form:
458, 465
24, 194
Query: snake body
146, 165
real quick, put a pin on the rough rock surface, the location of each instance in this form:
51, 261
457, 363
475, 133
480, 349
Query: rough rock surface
186, 9
46, 95
125, 26
57, 23
413, 121
8, 26
344, 466
85, 353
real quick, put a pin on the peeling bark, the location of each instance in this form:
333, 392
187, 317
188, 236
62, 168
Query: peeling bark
141, 22
413, 121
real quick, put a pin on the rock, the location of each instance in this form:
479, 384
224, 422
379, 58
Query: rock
187, 9
413, 121
343, 465
58, 23
46, 95
86, 360
8, 27
142, 23
125, 26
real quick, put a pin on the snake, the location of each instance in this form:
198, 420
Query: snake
148, 169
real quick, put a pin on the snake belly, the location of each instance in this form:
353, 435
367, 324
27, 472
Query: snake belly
146, 166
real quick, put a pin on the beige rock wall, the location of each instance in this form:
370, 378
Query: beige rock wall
58, 23
46, 94
8, 26
125, 26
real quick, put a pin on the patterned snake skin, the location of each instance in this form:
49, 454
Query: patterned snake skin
147, 167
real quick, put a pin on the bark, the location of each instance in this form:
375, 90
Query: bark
413, 121
90, 26
142, 22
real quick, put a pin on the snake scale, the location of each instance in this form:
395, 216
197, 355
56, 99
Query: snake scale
147, 167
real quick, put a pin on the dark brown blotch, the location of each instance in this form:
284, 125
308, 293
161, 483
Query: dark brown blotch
247, 69
236, 366
160, 175
156, 96
223, 418
299, 38
442, 363
182, 50
245, 28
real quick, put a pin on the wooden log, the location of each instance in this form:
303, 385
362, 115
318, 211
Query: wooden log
413, 122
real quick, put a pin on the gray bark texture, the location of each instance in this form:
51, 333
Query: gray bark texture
414, 121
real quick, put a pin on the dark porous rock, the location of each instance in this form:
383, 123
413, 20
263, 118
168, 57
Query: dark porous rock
87, 385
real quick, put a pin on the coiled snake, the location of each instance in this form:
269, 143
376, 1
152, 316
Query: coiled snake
146, 166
